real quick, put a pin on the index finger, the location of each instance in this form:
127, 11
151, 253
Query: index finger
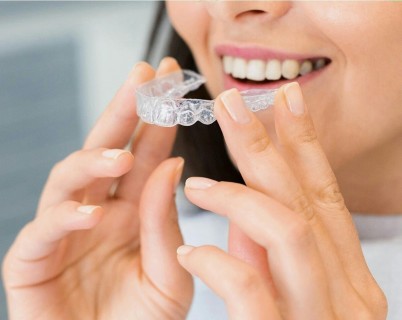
299, 139
117, 123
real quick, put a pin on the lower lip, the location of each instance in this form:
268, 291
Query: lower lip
230, 82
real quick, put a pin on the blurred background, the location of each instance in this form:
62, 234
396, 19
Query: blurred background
60, 64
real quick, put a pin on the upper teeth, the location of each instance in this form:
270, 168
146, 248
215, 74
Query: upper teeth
259, 70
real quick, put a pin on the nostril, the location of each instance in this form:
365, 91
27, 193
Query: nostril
252, 14
256, 11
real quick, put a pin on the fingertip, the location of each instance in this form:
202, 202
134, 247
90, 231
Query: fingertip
193, 258
141, 72
294, 98
290, 100
168, 61
232, 110
184, 258
140, 66
184, 250
172, 168
179, 171
122, 164
280, 97
114, 154
87, 209
220, 99
167, 65
85, 217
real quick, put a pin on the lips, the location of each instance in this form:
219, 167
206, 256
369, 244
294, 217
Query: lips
250, 67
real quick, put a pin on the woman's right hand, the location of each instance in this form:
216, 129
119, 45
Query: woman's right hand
103, 242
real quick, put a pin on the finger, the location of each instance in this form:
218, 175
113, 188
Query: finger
262, 168
259, 162
152, 145
70, 177
160, 233
32, 256
117, 123
298, 137
294, 260
239, 284
267, 171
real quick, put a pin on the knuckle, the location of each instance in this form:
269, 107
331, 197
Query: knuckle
57, 170
60, 169
308, 135
330, 196
381, 306
362, 312
7, 266
301, 204
259, 141
365, 310
378, 303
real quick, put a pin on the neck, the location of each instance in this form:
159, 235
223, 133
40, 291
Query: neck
372, 184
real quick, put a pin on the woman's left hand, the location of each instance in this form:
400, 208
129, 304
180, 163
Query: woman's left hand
308, 263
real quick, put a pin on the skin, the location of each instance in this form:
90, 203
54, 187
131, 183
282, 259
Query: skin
66, 264
354, 139
361, 100
294, 252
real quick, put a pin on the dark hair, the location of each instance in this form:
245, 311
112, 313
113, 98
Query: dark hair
202, 146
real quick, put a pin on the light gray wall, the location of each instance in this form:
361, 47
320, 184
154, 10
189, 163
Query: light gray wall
60, 63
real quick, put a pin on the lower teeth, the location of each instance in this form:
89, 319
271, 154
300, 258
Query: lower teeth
263, 81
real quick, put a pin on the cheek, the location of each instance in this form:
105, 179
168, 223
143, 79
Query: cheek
190, 20
365, 76
193, 23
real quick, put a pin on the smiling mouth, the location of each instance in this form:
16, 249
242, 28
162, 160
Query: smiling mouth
258, 71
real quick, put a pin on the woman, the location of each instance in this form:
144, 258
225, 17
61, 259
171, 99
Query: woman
103, 243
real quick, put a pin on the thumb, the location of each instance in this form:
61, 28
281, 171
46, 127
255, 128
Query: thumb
160, 234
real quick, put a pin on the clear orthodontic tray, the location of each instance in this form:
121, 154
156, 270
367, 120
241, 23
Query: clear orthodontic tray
160, 101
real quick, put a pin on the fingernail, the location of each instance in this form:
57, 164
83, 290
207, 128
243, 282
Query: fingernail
179, 171
167, 60
183, 250
199, 183
134, 68
113, 153
294, 98
133, 75
234, 105
87, 209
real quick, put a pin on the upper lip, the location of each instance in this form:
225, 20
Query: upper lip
258, 52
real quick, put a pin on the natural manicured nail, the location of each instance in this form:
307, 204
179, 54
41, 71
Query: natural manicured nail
113, 153
234, 105
183, 250
294, 98
199, 183
179, 170
87, 209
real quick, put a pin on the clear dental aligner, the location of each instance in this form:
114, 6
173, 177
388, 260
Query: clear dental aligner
160, 101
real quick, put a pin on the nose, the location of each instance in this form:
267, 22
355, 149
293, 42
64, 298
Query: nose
242, 11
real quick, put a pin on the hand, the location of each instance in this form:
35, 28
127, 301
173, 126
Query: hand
308, 263
91, 253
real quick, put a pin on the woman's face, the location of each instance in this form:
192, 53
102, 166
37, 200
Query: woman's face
355, 99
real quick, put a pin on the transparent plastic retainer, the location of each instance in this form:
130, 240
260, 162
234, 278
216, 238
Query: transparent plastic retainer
160, 101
